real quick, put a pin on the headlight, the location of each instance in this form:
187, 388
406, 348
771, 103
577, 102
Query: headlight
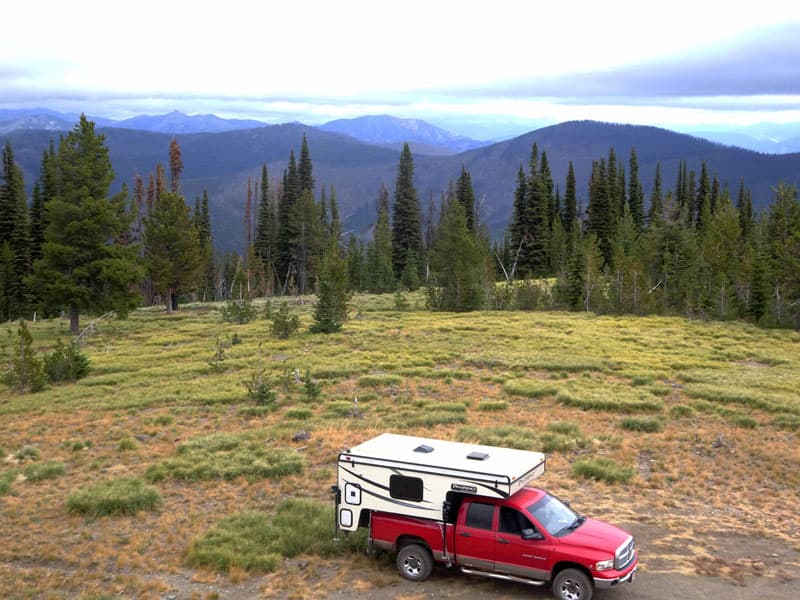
604, 565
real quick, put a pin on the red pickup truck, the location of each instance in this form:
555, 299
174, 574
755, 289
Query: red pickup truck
529, 537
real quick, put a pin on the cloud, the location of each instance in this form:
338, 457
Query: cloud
764, 63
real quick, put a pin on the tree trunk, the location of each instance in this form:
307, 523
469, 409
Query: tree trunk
74, 320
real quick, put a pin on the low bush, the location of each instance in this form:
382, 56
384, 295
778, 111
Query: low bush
6, 481
679, 411
610, 404
66, 363
223, 456
258, 541
126, 444
744, 421
123, 496
492, 405
642, 424
284, 325
602, 469
239, 311
261, 389
787, 422
299, 414
379, 380
529, 389
44, 470
27, 453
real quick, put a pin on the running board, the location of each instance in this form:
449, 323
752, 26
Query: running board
537, 582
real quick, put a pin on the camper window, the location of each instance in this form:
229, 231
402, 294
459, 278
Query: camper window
480, 516
405, 488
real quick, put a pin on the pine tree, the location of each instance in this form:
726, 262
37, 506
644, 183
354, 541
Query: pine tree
356, 263
335, 230
466, 196
520, 227
308, 243
635, 193
79, 269
175, 165
333, 292
744, 207
14, 231
656, 199
172, 248
783, 251
570, 200
600, 213
380, 277
459, 264
265, 240
305, 179
406, 224
205, 246
287, 229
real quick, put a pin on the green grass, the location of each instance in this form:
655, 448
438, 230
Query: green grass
382, 380
28, 453
530, 389
680, 411
126, 444
122, 496
226, 456
299, 414
258, 541
642, 424
787, 422
610, 404
601, 469
6, 481
44, 470
492, 405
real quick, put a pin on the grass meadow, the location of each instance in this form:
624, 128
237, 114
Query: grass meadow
161, 463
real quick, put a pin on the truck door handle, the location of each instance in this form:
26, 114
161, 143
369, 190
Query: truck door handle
502, 541
464, 534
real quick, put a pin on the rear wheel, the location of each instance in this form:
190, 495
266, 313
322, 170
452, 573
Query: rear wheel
414, 562
572, 584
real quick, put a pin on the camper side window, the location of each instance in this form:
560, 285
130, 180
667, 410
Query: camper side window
405, 488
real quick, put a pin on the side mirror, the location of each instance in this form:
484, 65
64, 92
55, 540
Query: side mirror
531, 534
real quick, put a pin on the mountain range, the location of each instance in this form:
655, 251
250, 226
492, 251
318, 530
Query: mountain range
222, 163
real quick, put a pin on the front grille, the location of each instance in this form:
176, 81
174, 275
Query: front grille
624, 554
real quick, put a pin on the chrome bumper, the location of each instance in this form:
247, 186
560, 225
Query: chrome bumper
604, 584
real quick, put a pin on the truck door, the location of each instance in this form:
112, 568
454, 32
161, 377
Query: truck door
475, 536
517, 556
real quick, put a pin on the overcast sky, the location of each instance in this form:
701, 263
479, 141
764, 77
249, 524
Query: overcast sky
675, 64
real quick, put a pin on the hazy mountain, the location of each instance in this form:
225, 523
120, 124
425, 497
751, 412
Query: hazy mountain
759, 144
222, 162
391, 132
178, 122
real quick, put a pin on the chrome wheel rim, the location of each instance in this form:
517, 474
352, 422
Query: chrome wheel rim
571, 589
412, 565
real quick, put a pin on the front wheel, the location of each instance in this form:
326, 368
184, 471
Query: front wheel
414, 562
572, 584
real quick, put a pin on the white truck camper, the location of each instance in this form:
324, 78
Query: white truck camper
421, 477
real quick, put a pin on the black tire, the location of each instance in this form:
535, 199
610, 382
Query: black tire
572, 584
414, 562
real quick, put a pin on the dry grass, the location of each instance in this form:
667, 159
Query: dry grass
725, 460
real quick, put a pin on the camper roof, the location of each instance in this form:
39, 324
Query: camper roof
453, 456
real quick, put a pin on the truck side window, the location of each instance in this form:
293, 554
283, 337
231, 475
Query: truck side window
480, 515
405, 488
513, 521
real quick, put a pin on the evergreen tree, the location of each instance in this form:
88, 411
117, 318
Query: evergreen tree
305, 179
635, 193
600, 212
205, 245
335, 231
459, 265
520, 227
266, 234
172, 248
744, 207
37, 222
406, 222
15, 232
287, 228
466, 196
333, 292
175, 165
656, 199
80, 270
570, 200
356, 263
380, 272
783, 248
308, 242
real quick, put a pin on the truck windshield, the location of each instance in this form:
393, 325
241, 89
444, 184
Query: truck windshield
554, 516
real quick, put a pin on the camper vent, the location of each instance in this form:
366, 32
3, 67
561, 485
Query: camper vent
424, 448
477, 456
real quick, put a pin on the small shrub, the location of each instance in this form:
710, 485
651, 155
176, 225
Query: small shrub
126, 444
313, 388
163, 420
284, 324
238, 311
400, 301
602, 469
219, 357
261, 389
6, 481
27, 453
564, 428
76, 445
300, 414
66, 363
236, 339
744, 421
643, 424
257, 541
44, 470
680, 411
642, 380
379, 380
529, 389
123, 496
493, 405
25, 371
787, 422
